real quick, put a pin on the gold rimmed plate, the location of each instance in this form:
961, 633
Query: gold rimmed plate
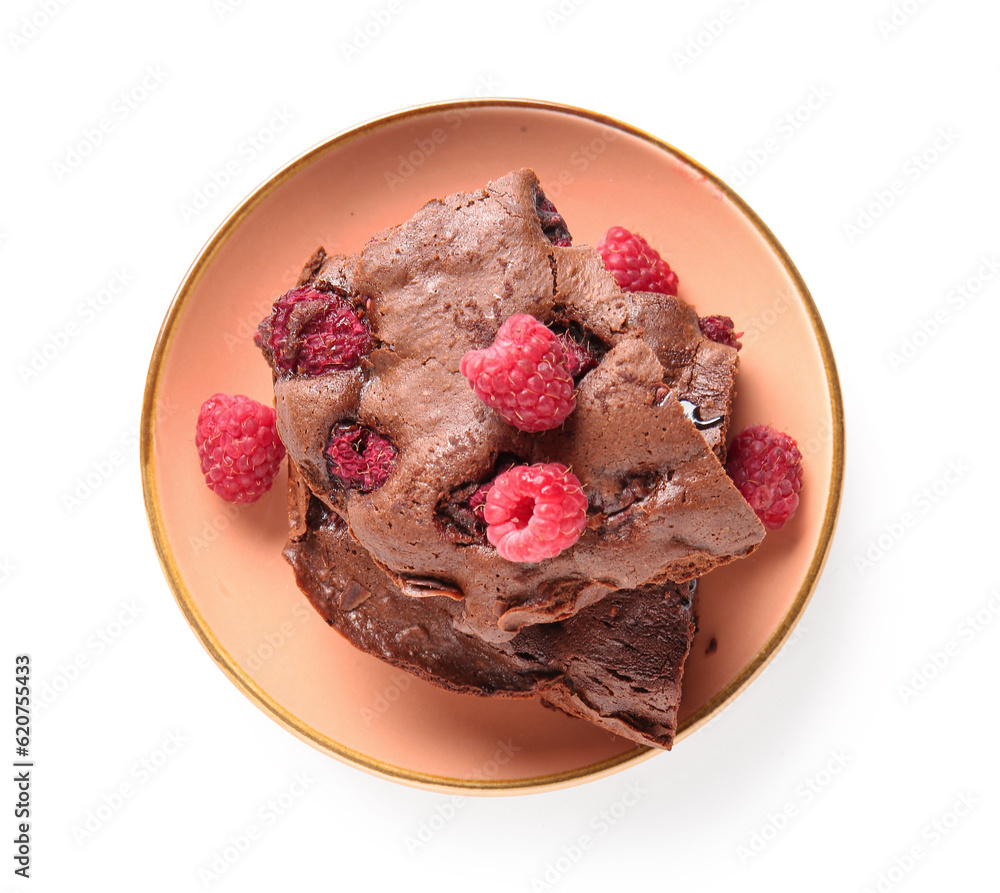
224, 562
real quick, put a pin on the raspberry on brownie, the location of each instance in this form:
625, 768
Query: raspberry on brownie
310, 332
635, 265
720, 329
535, 511
524, 375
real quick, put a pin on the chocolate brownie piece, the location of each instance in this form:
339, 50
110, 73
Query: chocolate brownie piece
617, 663
405, 572
699, 370
662, 508
621, 660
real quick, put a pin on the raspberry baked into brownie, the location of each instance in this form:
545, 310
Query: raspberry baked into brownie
507, 455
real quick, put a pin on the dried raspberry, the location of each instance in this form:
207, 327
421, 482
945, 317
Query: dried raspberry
523, 375
578, 359
720, 329
551, 220
535, 511
766, 467
239, 447
310, 332
477, 501
635, 266
358, 457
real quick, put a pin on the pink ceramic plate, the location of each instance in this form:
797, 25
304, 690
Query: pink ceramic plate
224, 563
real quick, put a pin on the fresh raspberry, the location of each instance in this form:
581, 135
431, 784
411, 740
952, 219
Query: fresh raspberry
578, 359
476, 503
523, 375
535, 511
239, 447
552, 222
358, 457
635, 266
720, 329
766, 467
310, 332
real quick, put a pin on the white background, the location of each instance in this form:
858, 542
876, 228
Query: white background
899, 92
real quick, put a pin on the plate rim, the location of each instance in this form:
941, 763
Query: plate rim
380, 768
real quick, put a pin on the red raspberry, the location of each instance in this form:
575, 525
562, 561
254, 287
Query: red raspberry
313, 331
535, 511
238, 444
720, 329
552, 222
358, 457
578, 358
477, 501
635, 266
523, 376
766, 467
